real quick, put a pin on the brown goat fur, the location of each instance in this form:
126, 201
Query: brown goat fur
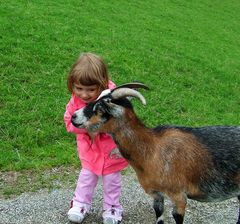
186, 165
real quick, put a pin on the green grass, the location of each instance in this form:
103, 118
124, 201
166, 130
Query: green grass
187, 52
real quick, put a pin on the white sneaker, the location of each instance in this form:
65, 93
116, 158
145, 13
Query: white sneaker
112, 216
111, 221
77, 214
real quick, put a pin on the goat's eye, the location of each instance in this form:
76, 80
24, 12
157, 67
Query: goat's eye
100, 112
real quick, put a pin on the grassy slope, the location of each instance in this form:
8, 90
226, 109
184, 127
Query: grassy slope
186, 51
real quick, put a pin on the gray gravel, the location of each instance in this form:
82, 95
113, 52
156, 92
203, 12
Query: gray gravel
51, 207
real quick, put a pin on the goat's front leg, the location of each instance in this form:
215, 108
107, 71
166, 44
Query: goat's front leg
180, 202
158, 205
238, 222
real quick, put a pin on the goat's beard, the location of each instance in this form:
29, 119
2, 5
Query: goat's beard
93, 128
92, 131
92, 136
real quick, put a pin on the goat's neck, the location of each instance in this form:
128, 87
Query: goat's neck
132, 137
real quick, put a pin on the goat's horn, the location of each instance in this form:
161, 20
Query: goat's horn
124, 92
133, 85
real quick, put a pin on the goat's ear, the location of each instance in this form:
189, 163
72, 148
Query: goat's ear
103, 106
112, 108
99, 106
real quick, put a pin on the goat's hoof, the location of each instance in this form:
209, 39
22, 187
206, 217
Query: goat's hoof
160, 222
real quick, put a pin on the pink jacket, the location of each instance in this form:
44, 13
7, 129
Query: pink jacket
93, 156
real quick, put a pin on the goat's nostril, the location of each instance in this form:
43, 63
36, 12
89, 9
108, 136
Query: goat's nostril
73, 119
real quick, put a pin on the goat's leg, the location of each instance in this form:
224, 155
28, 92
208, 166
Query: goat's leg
180, 202
158, 205
238, 222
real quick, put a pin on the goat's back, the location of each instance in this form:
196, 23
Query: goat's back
221, 146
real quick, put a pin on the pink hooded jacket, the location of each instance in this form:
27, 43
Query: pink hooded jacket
94, 156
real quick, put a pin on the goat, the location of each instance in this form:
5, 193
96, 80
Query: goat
200, 163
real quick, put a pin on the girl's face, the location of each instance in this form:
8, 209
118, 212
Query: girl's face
86, 93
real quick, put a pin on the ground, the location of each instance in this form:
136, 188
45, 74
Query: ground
50, 207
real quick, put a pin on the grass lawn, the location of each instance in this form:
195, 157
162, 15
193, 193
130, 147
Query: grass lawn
187, 52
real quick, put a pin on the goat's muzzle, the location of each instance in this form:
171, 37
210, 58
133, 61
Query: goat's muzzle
73, 120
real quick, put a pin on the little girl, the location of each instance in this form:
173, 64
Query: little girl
86, 80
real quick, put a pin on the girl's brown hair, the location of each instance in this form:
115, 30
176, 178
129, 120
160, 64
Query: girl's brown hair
88, 70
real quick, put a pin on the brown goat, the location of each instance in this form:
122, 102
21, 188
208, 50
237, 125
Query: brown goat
181, 162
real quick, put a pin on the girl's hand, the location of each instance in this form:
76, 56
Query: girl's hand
115, 154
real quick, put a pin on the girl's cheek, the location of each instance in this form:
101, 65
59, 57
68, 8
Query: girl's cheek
77, 93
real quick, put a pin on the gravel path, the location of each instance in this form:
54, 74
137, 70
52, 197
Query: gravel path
51, 207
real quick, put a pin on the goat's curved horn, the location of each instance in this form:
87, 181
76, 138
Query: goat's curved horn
133, 85
124, 92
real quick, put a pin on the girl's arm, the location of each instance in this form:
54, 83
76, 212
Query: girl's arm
70, 109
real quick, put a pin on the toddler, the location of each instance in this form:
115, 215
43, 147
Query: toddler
86, 80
